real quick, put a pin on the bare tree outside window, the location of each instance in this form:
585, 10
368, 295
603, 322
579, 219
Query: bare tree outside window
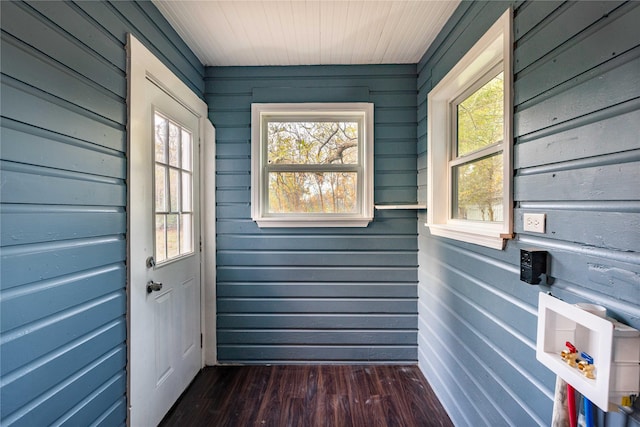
312, 166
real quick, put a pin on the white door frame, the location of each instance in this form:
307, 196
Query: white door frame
208, 248
142, 65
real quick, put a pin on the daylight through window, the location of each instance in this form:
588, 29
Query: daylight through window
478, 163
313, 166
173, 146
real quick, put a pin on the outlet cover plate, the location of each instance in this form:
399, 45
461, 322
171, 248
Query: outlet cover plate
534, 222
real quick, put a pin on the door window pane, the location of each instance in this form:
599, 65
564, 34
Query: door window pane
174, 145
186, 192
186, 238
173, 248
161, 188
186, 150
161, 235
161, 129
173, 189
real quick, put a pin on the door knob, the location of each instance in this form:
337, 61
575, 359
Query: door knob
153, 286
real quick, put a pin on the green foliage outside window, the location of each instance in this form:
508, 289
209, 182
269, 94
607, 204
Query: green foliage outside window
478, 182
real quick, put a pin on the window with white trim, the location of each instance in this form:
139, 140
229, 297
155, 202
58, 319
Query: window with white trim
173, 189
469, 144
312, 164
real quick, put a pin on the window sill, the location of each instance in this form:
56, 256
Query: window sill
407, 206
312, 222
478, 236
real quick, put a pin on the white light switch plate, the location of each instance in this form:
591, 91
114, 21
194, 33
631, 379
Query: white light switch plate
534, 222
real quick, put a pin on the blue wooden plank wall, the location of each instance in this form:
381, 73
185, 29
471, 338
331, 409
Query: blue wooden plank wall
334, 295
577, 159
63, 218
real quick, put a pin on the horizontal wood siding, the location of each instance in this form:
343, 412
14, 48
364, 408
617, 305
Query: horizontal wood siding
63, 215
330, 295
577, 159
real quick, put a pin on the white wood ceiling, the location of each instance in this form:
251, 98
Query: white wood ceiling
299, 32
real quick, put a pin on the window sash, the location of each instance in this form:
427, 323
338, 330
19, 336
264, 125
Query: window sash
454, 158
456, 161
455, 185
329, 117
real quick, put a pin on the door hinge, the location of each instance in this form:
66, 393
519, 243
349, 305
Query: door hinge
201, 339
200, 245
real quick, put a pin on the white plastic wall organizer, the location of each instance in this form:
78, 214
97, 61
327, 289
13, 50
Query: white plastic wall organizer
615, 349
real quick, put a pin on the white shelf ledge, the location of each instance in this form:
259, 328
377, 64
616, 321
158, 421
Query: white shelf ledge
412, 206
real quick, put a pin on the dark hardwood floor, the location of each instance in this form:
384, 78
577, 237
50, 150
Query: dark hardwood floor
315, 395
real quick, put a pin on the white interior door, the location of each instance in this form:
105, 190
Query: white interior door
164, 341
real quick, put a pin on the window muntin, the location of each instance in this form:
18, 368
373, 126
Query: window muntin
173, 189
469, 124
312, 164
